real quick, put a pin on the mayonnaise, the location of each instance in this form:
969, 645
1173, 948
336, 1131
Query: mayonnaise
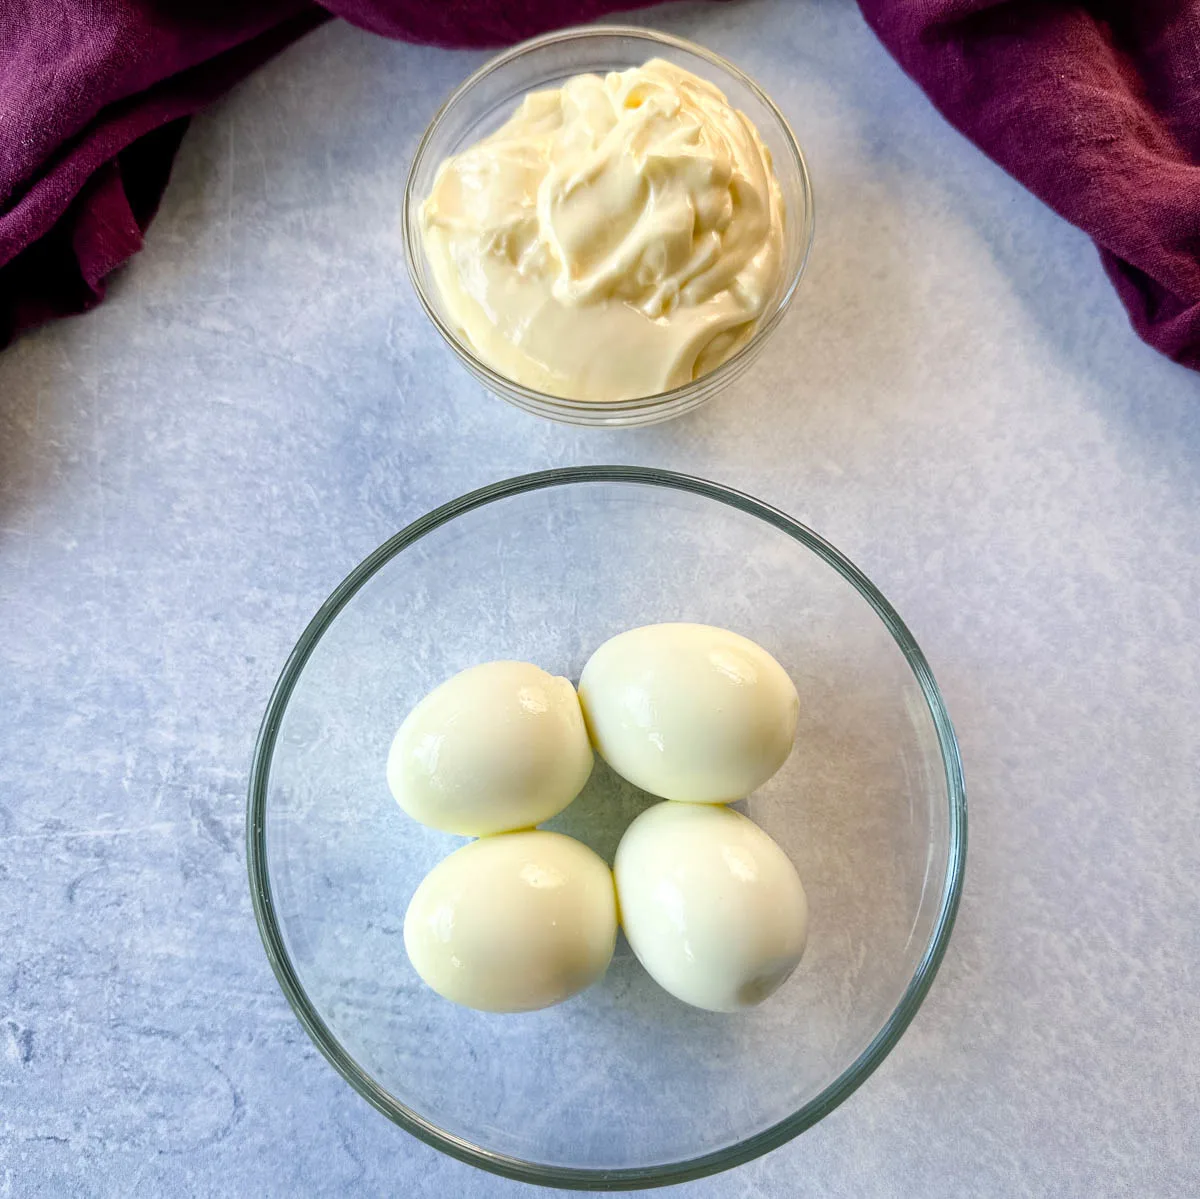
615, 238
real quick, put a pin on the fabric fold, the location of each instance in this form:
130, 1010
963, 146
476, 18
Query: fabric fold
1095, 107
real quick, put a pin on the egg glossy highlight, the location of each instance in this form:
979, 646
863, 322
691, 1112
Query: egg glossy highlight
513, 923
711, 905
498, 747
689, 711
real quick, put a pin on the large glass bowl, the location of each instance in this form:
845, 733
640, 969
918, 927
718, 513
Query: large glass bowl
487, 100
622, 1086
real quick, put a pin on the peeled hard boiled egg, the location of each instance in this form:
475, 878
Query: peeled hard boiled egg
513, 923
688, 711
498, 747
712, 907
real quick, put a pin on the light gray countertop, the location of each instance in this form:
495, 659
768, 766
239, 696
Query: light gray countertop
956, 401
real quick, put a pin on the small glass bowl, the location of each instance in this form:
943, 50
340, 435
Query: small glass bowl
487, 99
622, 1086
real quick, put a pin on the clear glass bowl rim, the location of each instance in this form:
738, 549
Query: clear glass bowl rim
639, 1176
500, 384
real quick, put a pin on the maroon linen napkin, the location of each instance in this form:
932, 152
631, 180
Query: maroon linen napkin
1095, 107
95, 97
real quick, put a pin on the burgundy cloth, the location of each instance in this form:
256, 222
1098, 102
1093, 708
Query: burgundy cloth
95, 97
1095, 107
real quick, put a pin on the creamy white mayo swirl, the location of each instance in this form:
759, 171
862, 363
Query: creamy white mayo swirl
617, 237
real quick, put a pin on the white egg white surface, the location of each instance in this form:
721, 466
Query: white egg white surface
513, 923
710, 904
498, 747
689, 711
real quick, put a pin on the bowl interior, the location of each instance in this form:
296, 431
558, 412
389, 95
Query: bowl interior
623, 1077
489, 98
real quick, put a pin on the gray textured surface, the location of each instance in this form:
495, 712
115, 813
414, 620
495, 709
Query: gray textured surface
956, 402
